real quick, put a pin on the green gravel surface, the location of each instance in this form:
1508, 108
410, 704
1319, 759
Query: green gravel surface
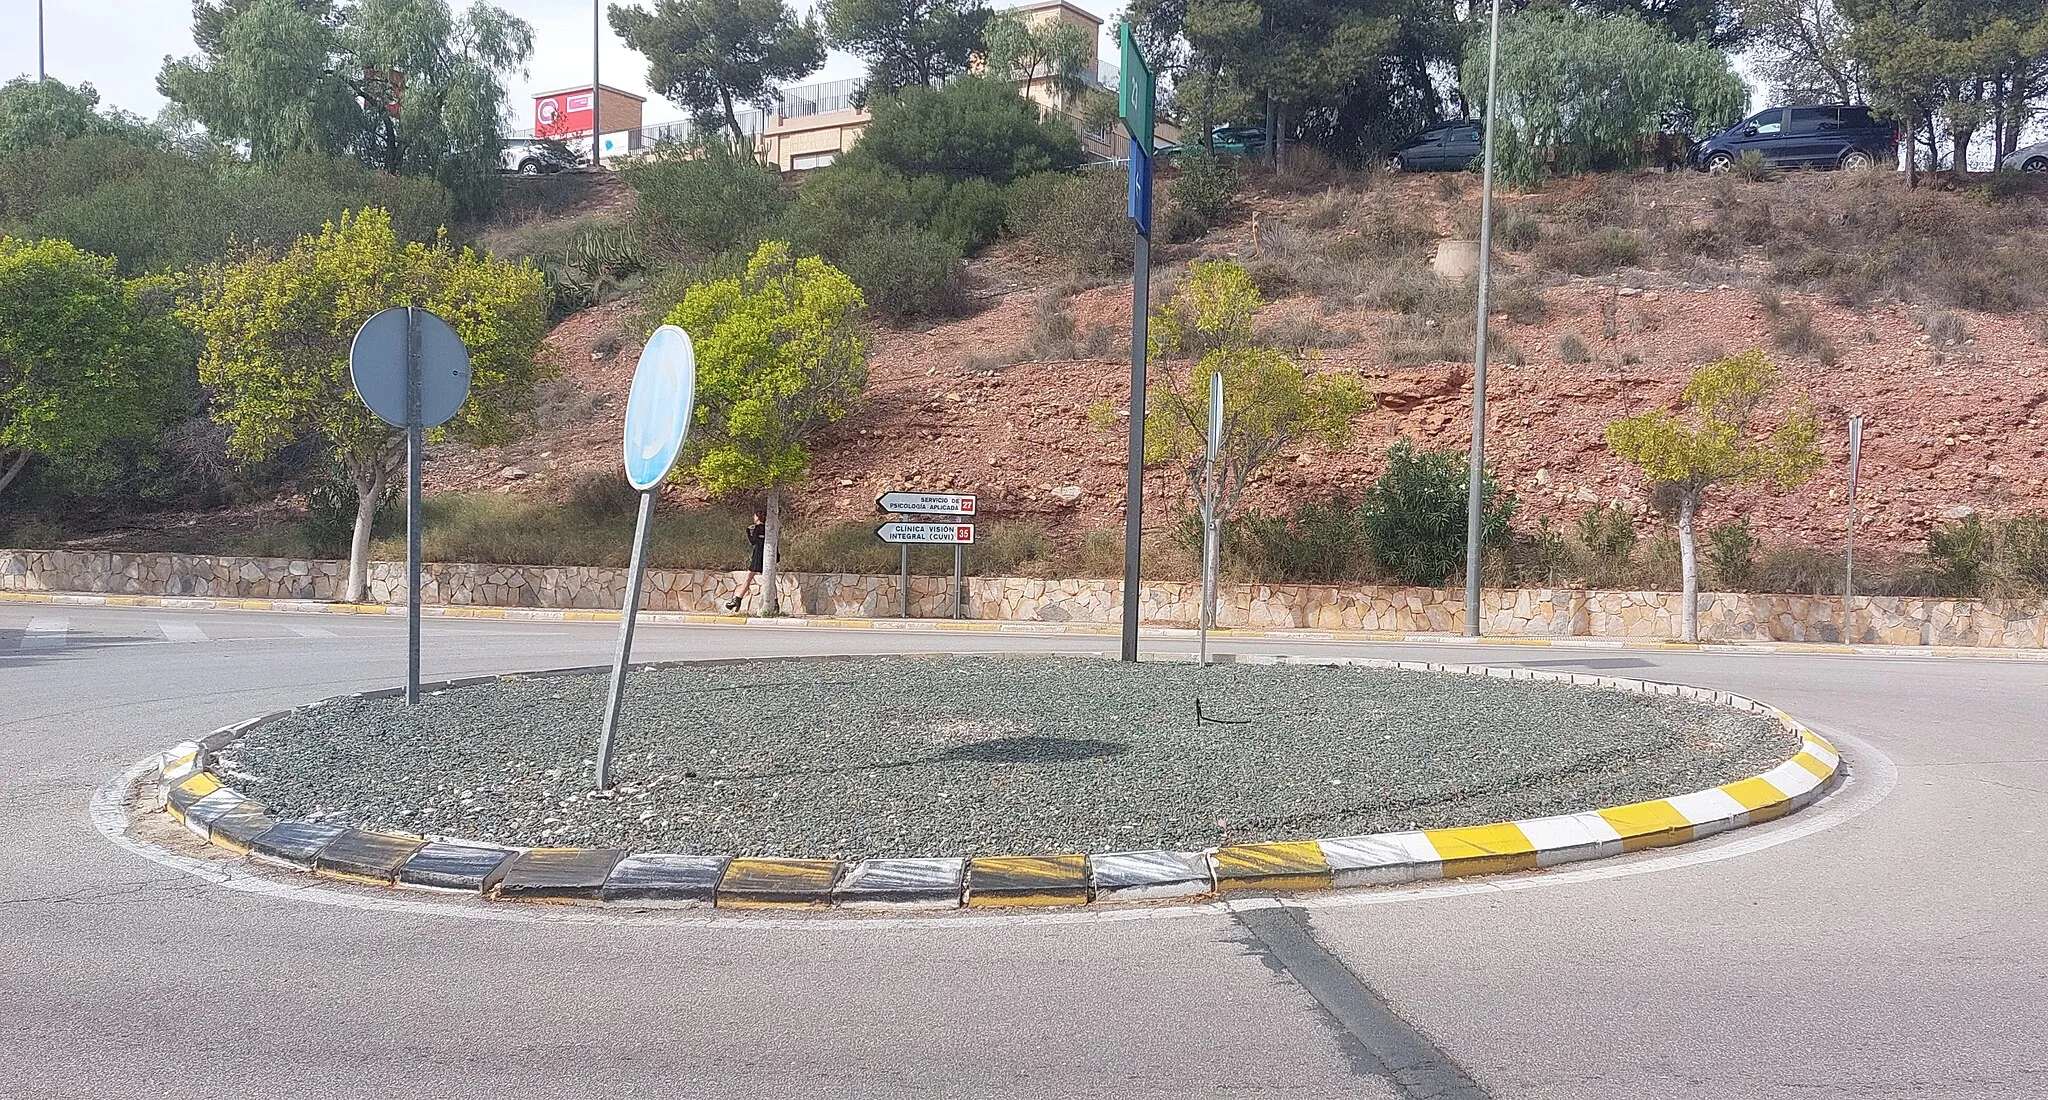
919, 756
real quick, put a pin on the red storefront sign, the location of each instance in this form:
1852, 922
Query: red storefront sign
563, 114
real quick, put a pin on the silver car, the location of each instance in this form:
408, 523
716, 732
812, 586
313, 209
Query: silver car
2032, 158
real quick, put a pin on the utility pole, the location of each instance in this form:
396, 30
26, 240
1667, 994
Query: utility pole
41, 75
1474, 521
596, 97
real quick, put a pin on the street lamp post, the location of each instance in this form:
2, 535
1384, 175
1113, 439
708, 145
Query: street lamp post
1474, 520
596, 131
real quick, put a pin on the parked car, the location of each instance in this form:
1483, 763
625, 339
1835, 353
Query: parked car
1446, 147
1834, 135
2032, 158
536, 157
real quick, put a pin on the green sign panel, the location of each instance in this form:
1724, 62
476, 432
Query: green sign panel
1136, 91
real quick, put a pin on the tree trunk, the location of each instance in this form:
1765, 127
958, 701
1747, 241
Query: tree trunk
732, 122
1689, 564
369, 487
13, 469
1272, 126
769, 604
1960, 162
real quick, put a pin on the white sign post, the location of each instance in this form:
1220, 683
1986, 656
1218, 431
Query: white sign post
1849, 558
957, 535
657, 419
1209, 539
412, 370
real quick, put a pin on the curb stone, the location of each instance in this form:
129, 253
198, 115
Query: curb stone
195, 796
1289, 634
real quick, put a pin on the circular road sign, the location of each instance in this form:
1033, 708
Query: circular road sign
376, 363
658, 408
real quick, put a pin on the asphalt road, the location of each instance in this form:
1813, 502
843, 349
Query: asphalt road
1887, 943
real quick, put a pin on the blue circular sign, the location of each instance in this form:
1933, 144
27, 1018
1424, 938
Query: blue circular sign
658, 408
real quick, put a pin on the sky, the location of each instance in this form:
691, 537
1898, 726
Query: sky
118, 46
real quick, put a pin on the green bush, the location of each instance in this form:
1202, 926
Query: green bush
1752, 166
1084, 223
696, 200
974, 128
156, 209
2023, 549
1415, 514
1517, 231
1607, 533
1203, 185
1731, 550
1317, 541
903, 272
1961, 553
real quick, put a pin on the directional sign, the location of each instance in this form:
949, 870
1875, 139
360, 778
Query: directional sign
658, 408
377, 360
949, 534
1136, 91
927, 504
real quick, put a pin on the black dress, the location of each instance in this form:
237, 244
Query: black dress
757, 544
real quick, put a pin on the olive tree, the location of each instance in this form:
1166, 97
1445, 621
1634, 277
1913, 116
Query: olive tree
277, 333
1715, 439
779, 357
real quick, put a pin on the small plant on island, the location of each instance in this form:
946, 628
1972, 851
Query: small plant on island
1269, 402
1715, 440
779, 357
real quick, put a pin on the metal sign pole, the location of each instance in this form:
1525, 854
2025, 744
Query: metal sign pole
1849, 559
959, 589
415, 439
906, 580
1134, 477
628, 615
1474, 520
1209, 538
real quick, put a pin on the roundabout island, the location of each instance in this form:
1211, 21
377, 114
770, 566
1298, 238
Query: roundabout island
941, 781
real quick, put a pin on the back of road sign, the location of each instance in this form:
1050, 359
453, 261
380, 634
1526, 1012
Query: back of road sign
376, 364
658, 408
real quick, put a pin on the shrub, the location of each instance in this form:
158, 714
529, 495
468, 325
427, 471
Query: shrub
974, 128
1572, 349
1961, 554
1802, 570
696, 200
1517, 231
1414, 516
1731, 550
903, 272
1945, 329
1084, 225
1608, 536
1318, 540
1520, 300
1203, 185
1793, 331
1101, 553
2023, 549
1752, 167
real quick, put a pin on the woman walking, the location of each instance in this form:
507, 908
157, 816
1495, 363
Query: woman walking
757, 544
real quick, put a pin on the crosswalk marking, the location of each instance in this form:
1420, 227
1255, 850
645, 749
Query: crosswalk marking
177, 631
313, 632
45, 632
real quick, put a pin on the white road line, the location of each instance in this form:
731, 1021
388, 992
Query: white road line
1871, 777
314, 632
176, 630
45, 632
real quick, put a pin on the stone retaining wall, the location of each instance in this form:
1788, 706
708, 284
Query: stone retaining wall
1887, 620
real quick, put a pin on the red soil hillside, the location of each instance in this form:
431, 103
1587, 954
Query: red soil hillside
1953, 399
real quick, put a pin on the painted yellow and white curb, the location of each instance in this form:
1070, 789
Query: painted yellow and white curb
217, 813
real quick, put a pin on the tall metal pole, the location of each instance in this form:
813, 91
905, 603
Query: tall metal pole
1474, 521
906, 580
415, 440
596, 96
1134, 480
959, 585
41, 75
1209, 532
637, 572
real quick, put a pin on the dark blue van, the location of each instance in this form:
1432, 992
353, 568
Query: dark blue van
1836, 135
